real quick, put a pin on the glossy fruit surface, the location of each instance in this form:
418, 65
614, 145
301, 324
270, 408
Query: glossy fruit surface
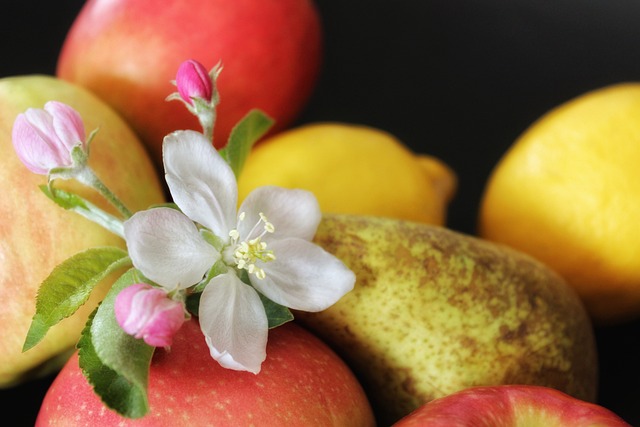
302, 382
353, 169
568, 193
128, 52
511, 406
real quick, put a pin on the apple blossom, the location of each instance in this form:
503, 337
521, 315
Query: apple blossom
235, 255
45, 138
147, 312
238, 272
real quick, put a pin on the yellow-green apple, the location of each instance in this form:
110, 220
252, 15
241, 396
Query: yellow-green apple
511, 406
302, 382
37, 234
127, 52
434, 311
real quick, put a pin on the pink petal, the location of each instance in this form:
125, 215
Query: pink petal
67, 124
148, 313
193, 81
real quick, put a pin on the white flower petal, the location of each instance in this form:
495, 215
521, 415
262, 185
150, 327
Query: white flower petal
234, 322
200, 181
293, 212
303, 276
166, 246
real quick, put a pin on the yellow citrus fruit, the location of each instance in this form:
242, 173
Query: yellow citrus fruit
568, 193
353, 169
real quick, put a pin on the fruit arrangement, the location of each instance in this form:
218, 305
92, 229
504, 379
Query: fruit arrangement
383, 282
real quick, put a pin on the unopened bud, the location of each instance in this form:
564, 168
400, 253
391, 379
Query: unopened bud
45, 138
194, 81
147, 312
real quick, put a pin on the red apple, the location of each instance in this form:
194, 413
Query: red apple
302, 382
510, 406
127, 52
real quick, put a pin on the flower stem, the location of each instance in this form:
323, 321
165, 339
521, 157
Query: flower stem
101, 218
88, 177
75, 203
207, 120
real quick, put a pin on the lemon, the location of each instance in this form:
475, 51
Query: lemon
568, 193
353, 169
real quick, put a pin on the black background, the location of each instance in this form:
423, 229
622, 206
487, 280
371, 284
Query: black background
456, 79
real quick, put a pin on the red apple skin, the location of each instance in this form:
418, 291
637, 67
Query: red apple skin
127, 52
511, 406
302, 382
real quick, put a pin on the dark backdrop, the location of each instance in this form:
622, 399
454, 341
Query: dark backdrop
456, 79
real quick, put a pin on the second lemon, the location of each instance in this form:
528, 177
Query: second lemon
353, 169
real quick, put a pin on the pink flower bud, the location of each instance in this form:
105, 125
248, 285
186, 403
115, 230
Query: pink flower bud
193, 81
44, 138
146, 312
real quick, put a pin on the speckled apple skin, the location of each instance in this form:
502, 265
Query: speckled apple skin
36, 234
302, 383
434, 311
510, 406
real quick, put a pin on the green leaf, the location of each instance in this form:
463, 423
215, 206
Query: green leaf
115, 363
245, 133
113, 389
219, 267
63, 198
192, 303
276, 314
69, 286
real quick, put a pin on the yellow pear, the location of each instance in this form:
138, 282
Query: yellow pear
435, 311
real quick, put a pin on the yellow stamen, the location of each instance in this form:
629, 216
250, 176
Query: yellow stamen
252, 250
